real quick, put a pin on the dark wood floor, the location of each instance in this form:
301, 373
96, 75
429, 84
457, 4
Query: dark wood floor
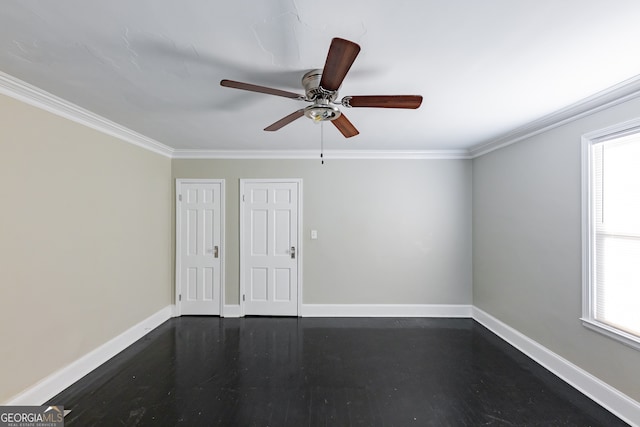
205, 371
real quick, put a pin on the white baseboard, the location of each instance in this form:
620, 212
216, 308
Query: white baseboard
53, 384
606, 396
385, 310
231, 310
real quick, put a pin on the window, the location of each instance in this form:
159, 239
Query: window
611, 232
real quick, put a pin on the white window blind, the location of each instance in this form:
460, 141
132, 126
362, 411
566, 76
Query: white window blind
615, 234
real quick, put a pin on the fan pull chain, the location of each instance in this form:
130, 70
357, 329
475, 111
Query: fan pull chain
322, 143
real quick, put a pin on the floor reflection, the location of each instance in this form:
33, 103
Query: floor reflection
301, 371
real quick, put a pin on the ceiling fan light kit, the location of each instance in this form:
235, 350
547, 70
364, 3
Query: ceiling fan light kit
321, 112
321, 89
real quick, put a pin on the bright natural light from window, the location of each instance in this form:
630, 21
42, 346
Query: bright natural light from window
613, 234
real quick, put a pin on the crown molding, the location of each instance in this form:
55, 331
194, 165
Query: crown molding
328, 154
615, 95
32, 95
39, 98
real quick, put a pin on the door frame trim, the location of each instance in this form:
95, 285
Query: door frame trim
299, 248
177, 246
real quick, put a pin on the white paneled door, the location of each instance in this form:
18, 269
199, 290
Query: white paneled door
270, 252
199, 239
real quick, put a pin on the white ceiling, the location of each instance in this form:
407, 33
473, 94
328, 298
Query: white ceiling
484, 68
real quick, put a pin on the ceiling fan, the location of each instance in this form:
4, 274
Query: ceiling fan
321, 89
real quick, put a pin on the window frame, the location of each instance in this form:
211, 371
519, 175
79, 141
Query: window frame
588, 319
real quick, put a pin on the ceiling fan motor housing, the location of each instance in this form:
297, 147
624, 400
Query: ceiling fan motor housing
321, 110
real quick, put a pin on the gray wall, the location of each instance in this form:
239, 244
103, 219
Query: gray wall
84, 241
527, 246
390, 231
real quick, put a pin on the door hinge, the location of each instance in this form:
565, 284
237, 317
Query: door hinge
243, 197
179, 197
242, 297
180, 297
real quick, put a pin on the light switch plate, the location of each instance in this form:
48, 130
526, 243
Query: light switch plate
314, 234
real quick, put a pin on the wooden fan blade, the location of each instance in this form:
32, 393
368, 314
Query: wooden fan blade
259, 89
386, 101
341, 55
344, 126
285, 120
